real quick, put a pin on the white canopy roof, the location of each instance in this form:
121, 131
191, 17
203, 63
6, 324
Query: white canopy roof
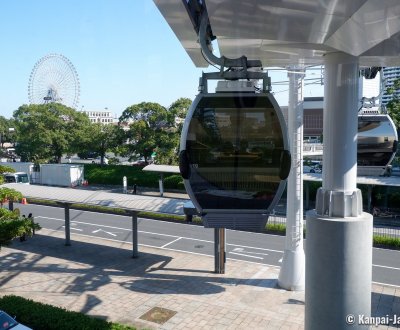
289, 32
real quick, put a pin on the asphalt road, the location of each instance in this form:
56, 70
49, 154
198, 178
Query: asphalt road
250, 247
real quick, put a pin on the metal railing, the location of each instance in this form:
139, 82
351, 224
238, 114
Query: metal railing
388, 227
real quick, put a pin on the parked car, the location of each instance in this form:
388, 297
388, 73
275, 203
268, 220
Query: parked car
141, 162
97, 160
308, 169
7, 322
87, 155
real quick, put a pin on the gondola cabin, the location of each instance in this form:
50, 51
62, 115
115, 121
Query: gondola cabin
234, 156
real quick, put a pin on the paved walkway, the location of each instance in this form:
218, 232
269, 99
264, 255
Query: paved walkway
101, 197
99, 278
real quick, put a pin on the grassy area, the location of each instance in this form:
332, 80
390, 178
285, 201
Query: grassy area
276, 228
40, 316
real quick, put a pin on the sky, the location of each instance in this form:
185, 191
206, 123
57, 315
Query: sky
123, 51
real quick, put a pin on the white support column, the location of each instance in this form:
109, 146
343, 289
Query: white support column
291, 276
339, 234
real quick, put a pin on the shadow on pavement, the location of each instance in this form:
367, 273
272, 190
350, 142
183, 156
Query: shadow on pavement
93, 266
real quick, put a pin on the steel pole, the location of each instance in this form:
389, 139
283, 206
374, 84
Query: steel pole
291, 275
67, 225
339, 234
135, 252
219, 250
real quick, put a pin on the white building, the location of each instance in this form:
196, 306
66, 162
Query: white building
104, 117
390, 74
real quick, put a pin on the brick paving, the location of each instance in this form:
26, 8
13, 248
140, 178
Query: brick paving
99, 278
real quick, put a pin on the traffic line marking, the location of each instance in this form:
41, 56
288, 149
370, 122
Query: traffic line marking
245, 255
388, 267
249, 252
175, 240
101, 230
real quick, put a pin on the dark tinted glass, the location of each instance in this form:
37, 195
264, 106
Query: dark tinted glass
9, 178
376, 141
234, 147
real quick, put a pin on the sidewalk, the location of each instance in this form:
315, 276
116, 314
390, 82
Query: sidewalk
144, 191
99, 278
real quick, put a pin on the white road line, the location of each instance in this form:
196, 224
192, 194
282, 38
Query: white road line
245, 255
255, 248
84, 223
151, 233
386, 284
72, 228
175, 240
381, 266
206, 255
189, 238
101, 230
242, 250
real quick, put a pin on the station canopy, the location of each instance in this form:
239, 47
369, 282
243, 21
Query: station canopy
293, 32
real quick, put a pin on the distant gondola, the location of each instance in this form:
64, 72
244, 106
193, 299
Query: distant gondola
376, 144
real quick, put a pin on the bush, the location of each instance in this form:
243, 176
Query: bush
113, 175
40, 316
174, 182
393, 242
277, 228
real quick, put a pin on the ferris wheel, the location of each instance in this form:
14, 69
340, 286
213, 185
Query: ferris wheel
54, 79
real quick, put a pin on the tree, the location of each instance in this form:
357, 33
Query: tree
103, 138
9, 194
5, 169
153, 128
11, 223
178, 110
6, 131
148, 124
167, 153
393, 106
46, 131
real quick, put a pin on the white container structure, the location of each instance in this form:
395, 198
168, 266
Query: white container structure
64, 175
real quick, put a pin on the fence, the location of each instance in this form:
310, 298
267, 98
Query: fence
383, 226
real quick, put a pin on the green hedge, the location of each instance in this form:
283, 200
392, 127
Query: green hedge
113, 175
40, 316
174, 181
383, 241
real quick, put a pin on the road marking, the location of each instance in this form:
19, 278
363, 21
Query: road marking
151, 233
72, 228
101, 230
386, 284
189, 238
255, 248
280, 260
381, 266
242, 250
245, 255
175, 240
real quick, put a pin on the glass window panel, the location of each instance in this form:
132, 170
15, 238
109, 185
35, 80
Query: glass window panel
234, 147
